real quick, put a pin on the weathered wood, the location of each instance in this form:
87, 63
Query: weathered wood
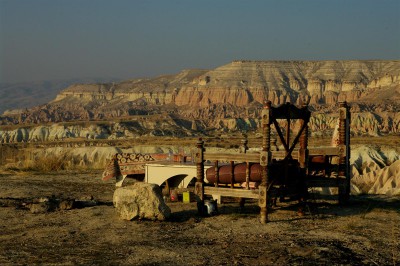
216, 173
199, 186
247, 175
288, 135
295, 141
232, 174
289, 110
281, 155
344, 141
229, 192
238, 157
265, 160
280, 134
325, 151
244, 146
303, 151
262, 202
200, 151
267, 188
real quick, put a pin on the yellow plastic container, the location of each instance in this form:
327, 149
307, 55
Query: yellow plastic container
186, 197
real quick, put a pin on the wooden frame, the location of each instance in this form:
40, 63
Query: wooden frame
264, 157
342, 153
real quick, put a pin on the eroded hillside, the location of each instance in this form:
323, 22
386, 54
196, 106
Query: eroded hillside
227, 98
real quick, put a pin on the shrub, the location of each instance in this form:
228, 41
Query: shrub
52, 163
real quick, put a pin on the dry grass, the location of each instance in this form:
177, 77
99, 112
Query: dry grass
49, 164
53, 163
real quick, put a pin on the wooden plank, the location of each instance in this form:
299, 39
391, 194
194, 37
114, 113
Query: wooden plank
232, 192
247, 157
255, 157
278, 154
313, 151
238, 157
282, 154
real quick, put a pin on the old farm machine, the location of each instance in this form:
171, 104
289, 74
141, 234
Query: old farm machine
269, 174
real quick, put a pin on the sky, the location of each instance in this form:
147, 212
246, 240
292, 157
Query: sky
124, 39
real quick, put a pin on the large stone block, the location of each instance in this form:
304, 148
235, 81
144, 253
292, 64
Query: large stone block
141, 201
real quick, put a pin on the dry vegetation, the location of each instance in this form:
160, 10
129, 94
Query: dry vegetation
48, 164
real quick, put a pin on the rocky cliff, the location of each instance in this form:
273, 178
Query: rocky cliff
228, 98
241, 83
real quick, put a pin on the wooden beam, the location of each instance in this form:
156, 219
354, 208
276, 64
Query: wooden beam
264, 161
199, 186
295, 141
229, 192
288, 135
237, 157
330, 151
232, 174
280, 134
216, 172
281, 155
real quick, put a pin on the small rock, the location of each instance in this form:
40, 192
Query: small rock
86, 198
41, 207
40, 200
66, 205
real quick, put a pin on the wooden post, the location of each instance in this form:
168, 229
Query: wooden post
344, 147
303, 152
342, 136
348, 121
247, 175
303, 160
264, 160
244, 150
232, 174
216, 173
244, 147
288, 135
199, 186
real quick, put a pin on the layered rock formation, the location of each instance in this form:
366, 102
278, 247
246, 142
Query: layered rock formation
97, 130
228, 98
321, 124
375, 170
241, 83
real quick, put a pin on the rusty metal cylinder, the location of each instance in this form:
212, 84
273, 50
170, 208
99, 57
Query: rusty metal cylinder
239, 173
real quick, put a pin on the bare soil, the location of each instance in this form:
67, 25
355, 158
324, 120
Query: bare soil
366, 232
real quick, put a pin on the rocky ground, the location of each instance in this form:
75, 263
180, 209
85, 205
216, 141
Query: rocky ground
366, 232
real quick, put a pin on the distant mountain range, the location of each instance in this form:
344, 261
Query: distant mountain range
24, 95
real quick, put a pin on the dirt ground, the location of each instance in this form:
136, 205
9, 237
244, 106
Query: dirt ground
367, 232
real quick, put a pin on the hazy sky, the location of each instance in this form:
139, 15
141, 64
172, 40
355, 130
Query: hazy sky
62, 39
